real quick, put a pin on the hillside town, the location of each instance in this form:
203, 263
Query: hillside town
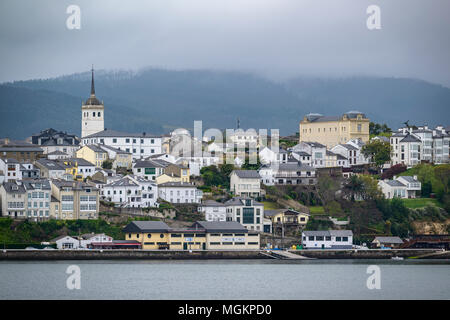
341, 182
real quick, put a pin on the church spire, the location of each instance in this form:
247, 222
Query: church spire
92, 82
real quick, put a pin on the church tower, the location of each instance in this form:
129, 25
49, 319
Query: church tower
92, 113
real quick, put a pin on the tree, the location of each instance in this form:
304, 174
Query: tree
378, 151
442, 173
354, 186
107, 164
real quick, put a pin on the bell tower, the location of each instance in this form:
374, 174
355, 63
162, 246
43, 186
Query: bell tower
92, 113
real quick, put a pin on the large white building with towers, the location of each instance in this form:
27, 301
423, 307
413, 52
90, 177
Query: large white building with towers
92, 113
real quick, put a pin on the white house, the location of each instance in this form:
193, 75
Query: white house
267, 156
132, 192
149, 169
349, 152
195, 164
302, 156
290, 173
213, 210
400, 187
66, 242
179, 192
315, 149
331, 239
11, 169
245, 183
140, 145
91, 238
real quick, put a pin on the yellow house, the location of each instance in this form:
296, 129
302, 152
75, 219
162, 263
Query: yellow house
77, 167
93, 154
178, 170
167, 178
333, 130
287, 216
202, 235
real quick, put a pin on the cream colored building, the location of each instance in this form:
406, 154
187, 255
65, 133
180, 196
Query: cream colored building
245, 183
333, 130
74, 200
202, 235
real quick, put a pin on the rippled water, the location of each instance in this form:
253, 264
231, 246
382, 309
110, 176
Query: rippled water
226, 279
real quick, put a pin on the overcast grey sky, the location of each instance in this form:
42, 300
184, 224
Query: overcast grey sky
276, 38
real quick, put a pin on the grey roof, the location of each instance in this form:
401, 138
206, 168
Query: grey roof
95, 148
13, 187
238, 201
409, 178
247, 174
348, 146
314, 144
104, 146
146, 226
76, 185
302, 153
123, 182
212, 203
79, 161
394, 183
49, 164
113, 134
9, 148
294, 166
155, 163
388, 240
43, 184
410, 138
221, 226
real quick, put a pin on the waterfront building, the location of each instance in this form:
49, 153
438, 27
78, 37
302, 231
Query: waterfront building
287, 217
387, 242
66, 242
331, 239
202, 235
333, 130
245, 183
245, 211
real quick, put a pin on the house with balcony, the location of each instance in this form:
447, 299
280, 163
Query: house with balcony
131, 192
405, 187
290, 173
245, 183
287, 221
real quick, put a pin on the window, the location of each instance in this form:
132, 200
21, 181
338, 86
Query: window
248, 215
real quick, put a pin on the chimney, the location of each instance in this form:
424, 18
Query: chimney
415, 177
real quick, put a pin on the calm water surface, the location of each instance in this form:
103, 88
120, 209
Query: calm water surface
226, 279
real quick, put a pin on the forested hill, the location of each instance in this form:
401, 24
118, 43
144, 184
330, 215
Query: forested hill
156, 101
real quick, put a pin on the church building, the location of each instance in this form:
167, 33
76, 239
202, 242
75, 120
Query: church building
92, 113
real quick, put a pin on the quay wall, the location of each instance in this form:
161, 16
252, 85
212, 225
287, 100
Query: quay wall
374, 254
126, 254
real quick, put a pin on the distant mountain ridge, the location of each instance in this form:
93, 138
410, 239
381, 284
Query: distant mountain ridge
156, 101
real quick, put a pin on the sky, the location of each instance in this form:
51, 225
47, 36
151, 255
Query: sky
279, 39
